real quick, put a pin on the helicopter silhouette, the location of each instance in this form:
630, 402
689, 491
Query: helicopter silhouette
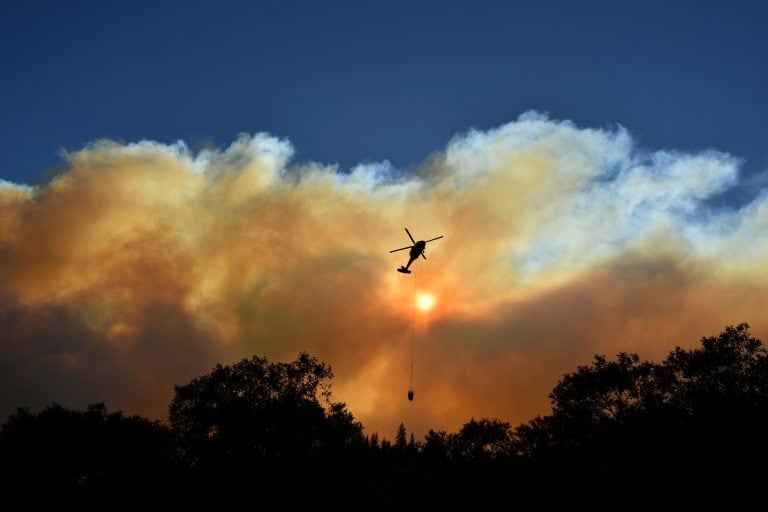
417, 249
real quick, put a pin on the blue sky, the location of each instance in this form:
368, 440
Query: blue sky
350, 81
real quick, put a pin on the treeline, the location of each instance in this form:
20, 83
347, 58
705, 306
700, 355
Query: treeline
623, 433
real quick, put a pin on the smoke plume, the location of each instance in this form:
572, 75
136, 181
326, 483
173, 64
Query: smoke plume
143, 265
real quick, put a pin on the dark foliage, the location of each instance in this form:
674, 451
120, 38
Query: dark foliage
689, 430
255, 410
266, 427
623, 434
59, 458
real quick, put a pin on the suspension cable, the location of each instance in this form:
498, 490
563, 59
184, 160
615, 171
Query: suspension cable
413, 332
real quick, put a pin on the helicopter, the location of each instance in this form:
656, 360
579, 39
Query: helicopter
417, 249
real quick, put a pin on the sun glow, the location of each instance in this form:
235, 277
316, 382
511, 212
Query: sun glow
425, 301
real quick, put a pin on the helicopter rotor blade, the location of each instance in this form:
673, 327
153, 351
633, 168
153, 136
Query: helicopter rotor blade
422, 255
401, 249
433, 239
409, 235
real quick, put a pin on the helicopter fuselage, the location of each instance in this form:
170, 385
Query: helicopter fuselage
417, 249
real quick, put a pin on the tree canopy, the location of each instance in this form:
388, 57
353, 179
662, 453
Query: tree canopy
255, 409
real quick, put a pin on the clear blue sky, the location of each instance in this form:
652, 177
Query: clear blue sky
352, 81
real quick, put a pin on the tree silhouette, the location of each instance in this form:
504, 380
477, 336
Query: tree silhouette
726, 375
729, 369
256, 410
413, 446
696, 419
605, 390
271, 427
482, 439
436, 445
74, 458
401, 439
595, 400
373, 443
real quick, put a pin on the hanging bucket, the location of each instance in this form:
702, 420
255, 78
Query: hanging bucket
410, 395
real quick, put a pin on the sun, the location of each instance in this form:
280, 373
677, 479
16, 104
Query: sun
425, 301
